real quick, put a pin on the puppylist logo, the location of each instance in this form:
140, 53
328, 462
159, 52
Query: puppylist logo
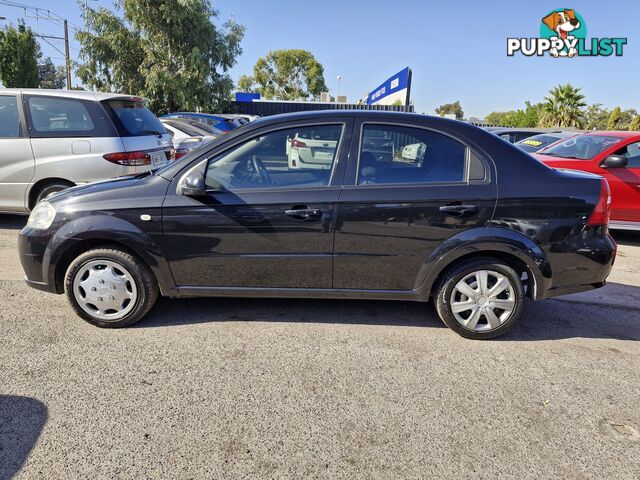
563, 33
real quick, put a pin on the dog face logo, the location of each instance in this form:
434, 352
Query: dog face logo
563, 26
563, 22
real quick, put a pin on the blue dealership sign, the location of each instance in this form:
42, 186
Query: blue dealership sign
247, 96
393, 89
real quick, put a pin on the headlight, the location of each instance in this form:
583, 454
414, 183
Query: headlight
41, 216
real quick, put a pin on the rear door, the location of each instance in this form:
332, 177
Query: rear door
394, 213
262, 224
16, 157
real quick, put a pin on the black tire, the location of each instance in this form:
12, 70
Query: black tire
50, 189
461, 271
145, 282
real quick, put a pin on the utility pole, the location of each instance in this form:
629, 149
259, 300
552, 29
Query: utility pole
67, 58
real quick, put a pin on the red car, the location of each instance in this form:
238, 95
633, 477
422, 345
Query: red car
615, 156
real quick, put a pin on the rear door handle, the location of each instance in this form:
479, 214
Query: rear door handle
459, 209
303, 213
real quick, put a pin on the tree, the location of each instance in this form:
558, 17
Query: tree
635, 123
246, 83
289, 75
596, 117
50, 76
19, 54
563, 107
166, 50
626, 116
614, 119
451, 109
529, 117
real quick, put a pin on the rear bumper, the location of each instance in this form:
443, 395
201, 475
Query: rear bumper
580, 264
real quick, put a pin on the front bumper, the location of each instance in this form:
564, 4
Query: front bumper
32, 248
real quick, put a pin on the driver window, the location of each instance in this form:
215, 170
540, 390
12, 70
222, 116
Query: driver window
299, 157
632, 152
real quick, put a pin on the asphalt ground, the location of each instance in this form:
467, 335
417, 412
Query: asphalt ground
237, 388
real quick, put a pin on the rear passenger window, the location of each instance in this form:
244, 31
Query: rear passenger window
49, 115
405, 155
9, 118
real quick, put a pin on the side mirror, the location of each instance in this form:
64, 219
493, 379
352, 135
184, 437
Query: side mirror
615, 161
193, 185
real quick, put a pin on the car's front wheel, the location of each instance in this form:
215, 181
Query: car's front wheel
110, 288
480, 298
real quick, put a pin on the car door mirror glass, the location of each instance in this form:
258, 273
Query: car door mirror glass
193, 185
615, 161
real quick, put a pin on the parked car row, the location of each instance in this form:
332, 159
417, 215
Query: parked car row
54, 139
476, 226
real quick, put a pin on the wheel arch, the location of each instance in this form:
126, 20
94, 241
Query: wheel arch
40, 184
65, 247
512, 248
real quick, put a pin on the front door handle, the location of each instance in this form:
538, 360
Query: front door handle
459, 209
303, 213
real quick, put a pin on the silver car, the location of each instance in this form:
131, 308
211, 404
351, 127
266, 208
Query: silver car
54, 139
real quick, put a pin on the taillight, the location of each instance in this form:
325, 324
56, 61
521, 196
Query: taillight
129, 159
181, 152
298, 144
136, 159
602, 211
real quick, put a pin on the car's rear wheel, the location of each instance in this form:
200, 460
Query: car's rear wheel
110, 288
480, 298
49, 189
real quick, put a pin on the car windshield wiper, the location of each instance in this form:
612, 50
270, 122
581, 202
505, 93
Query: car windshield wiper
155, 132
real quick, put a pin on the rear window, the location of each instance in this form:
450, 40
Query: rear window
134, 118
536, 142
66, 117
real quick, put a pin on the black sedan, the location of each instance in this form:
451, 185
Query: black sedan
295, 206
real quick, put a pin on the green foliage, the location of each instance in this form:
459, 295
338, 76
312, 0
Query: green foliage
529, 117
289, 75
614, 119
596, 117
19, 53
51, 76
563, 107
246, 83
166, 50
451, 108
634, 125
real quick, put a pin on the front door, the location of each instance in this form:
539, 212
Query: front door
266, 222
16, 157
402, 206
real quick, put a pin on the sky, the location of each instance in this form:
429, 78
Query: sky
455, 48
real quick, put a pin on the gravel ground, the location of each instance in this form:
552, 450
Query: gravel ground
232, 388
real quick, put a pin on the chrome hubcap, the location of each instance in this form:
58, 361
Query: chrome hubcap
483, 300
105, 290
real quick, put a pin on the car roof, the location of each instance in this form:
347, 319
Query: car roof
614, 133
500, 131
79, 94
195, 114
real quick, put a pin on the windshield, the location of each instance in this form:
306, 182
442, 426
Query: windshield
535, 143
134, 118
582, 147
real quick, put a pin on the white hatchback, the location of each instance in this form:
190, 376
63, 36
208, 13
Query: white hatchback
54, 139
